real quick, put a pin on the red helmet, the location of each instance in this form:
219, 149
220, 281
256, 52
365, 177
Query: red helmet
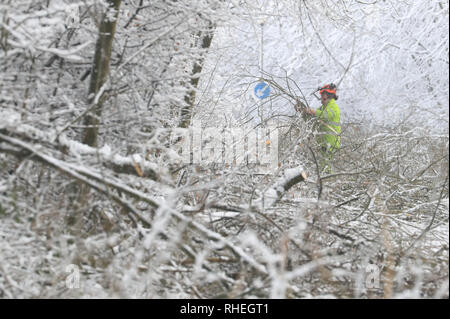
330, 89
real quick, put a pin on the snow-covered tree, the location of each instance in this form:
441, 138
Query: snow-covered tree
98, 178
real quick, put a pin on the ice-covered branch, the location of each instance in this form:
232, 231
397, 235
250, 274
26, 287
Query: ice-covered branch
132, 164
290, 178
101, 183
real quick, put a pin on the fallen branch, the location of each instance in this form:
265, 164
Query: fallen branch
101, 183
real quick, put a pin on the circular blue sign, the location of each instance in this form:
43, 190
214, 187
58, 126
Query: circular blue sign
262, 90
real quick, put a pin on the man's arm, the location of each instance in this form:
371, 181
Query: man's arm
310, 111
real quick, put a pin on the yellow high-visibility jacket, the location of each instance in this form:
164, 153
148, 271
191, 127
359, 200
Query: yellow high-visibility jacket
330, 126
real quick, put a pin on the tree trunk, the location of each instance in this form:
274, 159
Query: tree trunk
189, 98
99, 73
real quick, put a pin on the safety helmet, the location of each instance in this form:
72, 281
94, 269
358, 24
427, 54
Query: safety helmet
330, 89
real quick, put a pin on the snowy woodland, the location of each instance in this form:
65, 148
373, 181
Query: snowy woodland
97, 199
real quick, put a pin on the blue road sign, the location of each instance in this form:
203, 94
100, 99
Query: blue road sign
262, 90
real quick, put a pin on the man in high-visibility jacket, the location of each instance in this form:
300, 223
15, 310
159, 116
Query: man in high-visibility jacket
329, 117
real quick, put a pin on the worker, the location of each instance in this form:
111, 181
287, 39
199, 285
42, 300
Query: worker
329, 124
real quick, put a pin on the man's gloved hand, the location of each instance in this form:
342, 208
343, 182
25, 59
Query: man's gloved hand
299, 106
